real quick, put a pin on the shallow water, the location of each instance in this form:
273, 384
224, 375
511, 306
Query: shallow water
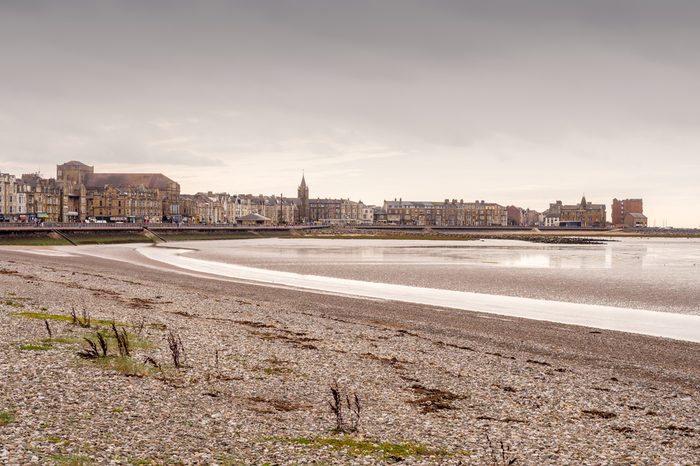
261, 261
653, 274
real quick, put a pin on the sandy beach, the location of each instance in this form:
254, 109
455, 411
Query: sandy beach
436, 385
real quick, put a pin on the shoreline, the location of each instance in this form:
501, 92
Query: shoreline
83, 235
683, 327
260, 361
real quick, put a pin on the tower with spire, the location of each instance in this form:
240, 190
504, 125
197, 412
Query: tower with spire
303, 196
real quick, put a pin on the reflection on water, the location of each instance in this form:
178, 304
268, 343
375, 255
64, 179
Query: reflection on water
627, 319
658, 274
634, 253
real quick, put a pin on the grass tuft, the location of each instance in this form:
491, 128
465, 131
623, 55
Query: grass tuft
46, 344
357, 446
6, 417
65, 340
59, 317
126, 366
35, 346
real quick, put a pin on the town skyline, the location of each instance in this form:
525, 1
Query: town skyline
80, 194
407, 199
507, 101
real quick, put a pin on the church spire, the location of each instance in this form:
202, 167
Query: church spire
303, 196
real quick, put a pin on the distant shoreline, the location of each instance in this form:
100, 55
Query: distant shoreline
77, 235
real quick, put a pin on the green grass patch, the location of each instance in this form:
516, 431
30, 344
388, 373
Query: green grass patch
48, 343
134, 340
52, 439
6, 417
276, 370
110, 239
356, 446
35, 346
44, 316
31, 241
64, 318
125, 365
65, 340
87, 238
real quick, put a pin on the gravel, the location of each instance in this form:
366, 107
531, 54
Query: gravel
260, 362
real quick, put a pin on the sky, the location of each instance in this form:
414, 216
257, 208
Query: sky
519, 102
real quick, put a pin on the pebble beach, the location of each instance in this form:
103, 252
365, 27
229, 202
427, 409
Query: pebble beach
253, 386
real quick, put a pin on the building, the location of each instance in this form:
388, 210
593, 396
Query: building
635, 220
552, 216
129, 204
532, 218
44, 198
584, 214
166, 190
335, 211
9, 205
80, 183
447, 213
254, 219
380, 216
71, 178
367, 215
278, 209
516, 216
620, 209
303, 202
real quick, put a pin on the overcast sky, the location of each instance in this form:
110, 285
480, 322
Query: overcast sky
516, 102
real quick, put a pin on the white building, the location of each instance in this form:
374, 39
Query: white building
13, 201
367, 215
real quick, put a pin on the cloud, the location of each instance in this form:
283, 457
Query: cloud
486, 99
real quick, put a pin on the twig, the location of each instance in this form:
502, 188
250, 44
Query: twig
177, 351
336, 406
122, 341
103, 344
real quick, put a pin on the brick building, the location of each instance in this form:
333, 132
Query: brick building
83, 189
620, 208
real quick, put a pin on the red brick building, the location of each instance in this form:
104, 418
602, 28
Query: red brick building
620, 208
